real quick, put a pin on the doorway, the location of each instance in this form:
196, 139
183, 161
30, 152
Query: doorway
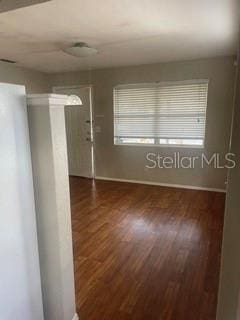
79, 130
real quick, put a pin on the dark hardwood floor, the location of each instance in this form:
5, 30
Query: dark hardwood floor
145, 252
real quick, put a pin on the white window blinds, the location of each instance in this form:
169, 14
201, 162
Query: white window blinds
169, 113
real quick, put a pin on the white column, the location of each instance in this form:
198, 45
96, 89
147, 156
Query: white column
51, 187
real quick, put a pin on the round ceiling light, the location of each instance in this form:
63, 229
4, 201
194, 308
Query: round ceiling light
80, 50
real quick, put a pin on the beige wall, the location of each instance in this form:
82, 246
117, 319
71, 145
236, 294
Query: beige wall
35, 82
128, 162
230, 267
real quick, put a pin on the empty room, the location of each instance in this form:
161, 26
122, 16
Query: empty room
120, 160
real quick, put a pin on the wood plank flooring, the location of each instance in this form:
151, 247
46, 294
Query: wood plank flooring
145, 252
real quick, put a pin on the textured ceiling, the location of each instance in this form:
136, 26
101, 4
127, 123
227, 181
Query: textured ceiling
126, 32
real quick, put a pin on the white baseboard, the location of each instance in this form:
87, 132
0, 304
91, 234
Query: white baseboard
75, 317
170, 185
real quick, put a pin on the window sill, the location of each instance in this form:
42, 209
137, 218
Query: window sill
159, 145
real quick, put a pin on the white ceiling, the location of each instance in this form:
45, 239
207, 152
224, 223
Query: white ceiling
126, 32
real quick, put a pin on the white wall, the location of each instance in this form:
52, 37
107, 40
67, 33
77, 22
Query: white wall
20, 288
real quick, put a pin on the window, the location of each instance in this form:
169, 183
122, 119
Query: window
74, 100
171, 113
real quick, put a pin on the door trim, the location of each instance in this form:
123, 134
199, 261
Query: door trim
80, 86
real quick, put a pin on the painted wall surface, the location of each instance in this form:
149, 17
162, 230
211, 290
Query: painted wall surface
128, 162
20, 286
34, 81
229, 302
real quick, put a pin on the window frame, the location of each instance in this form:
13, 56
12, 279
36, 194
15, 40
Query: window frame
155, 144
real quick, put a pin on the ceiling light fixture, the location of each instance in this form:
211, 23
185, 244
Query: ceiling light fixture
80, 50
